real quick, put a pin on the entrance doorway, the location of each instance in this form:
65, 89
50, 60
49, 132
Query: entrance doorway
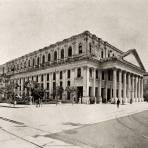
103, 95
108, 95
79, 93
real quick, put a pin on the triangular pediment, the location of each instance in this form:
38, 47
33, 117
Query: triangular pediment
132, 57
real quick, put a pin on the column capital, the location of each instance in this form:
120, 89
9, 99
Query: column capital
85, 67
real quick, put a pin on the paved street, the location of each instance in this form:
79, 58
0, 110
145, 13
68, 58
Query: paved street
59, 126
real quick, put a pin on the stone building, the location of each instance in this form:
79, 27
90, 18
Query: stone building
95, 67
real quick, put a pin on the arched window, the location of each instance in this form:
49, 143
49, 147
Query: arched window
18, 66
79, 72
108, 53
49, 57
25, 64
102, 54
90, 47
43, 59
80, 48
28, 63
38, 61
55, 55
21, 66
33, 62
62, 54
70, 51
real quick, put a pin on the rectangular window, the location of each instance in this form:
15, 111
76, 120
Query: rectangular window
42, 86
109, 75
48, 86
96, 74
48, 77
61, 74
42, 78
102, 75
68, 83
54, 76
79, 72
68, 74
90, 72
61, 83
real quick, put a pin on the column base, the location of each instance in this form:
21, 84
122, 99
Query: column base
139, 99
136, 99
114, 100
99, 100
142, 99
86, 100
121, 100
125, 100
133, 99
128, 100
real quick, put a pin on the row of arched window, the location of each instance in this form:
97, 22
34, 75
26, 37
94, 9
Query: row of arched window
42, 60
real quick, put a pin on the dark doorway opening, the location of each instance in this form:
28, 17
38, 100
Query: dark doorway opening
79, 93
108, 95
68, 95
103, 95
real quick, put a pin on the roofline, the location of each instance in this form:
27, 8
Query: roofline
87, 33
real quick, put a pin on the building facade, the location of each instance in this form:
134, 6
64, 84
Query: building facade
95, 67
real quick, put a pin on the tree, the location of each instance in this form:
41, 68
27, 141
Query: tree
9, 91
72, 91
59, 92
36, 91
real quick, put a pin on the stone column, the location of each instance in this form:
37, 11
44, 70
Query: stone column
86, 85
94, 83
142, 99
139, 85
64, 79
136, 82
99, 86
50, 83
106, 81
132, 78
120, 85
45, 81
124, 88
72, 77
114, 85
129, 87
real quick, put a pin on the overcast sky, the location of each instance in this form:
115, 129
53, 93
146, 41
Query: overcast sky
28, 25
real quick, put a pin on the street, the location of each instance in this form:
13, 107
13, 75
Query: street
72, 126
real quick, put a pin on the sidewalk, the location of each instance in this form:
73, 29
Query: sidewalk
13, 106
49, 119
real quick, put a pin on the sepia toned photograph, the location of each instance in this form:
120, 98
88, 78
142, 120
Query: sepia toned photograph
73, 74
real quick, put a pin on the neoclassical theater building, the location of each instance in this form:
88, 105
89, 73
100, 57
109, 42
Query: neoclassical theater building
95, 67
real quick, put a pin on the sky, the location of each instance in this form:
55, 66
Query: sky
29, 25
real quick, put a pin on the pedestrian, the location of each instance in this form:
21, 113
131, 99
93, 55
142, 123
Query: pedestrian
118, 102
130, 101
